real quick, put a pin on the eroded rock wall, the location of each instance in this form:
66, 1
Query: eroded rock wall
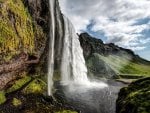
24, 30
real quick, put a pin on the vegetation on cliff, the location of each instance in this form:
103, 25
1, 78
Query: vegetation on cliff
98, 67
123, 65
17, 30
2, 97
135, 98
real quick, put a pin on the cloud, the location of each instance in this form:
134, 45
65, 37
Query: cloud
119, 20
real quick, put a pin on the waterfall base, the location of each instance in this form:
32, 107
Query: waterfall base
84, 85
89, 99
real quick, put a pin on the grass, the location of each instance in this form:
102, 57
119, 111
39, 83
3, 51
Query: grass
124, 66
135, 68
36, 86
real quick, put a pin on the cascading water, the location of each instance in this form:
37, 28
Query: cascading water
73, 68
51, 46
73, 64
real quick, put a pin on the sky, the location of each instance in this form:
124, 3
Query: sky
123, 22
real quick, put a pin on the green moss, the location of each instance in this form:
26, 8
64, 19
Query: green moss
16, 29
66, 111
16, 102
2, 97
36, 86
18, 84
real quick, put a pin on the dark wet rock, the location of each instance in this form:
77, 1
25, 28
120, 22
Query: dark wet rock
91, 45
135, 98
39, 10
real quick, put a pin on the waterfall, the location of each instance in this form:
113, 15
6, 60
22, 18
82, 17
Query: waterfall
51, 46
73, 69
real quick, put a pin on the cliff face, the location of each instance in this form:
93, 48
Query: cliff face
23, 35
39, 11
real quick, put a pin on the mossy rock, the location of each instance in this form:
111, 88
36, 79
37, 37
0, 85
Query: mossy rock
2, 97
36, 86
135, 98
18, 84
16, 29
16, 102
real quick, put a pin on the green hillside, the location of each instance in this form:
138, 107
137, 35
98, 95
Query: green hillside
125, 66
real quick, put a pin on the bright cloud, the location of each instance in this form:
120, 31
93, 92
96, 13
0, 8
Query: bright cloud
117, 19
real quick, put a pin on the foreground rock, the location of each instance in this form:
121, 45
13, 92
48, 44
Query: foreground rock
135, 98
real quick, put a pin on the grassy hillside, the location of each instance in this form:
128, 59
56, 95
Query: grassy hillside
125, 66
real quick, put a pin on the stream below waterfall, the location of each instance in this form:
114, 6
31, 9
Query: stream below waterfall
92, 100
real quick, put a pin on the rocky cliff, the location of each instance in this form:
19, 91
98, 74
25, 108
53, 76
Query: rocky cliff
23, 36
